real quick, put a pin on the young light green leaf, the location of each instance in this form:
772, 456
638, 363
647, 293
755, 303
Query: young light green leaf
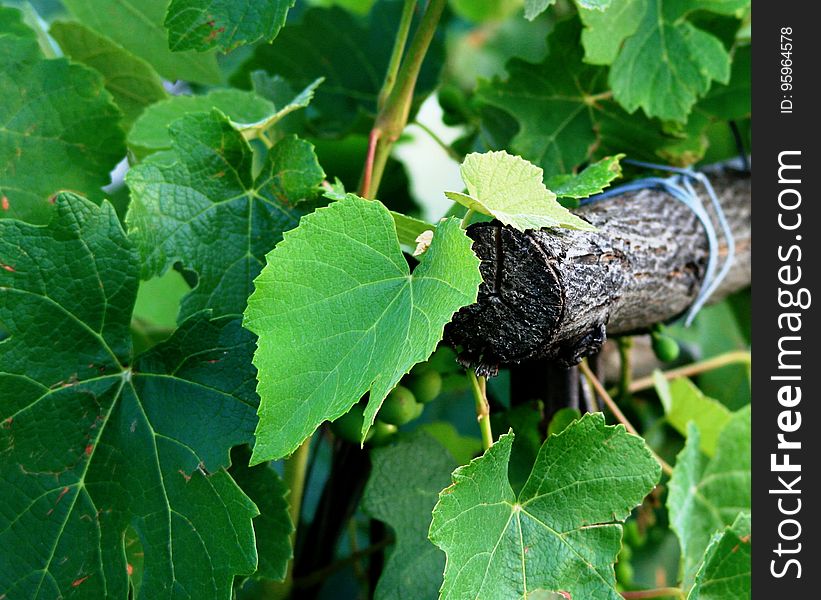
138, 27
151, 131
512, 190
726, 573
96, 444
592, 180
414, 568
273, 527
338, 314
708, 495
352, 55
60, 130
584, 482
199, 204
668, 63
132, 82
683, 402
224, 24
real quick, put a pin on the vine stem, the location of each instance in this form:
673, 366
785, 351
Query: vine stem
478, 385
665, 592
611, 404
399, 42
722, 360
393, 114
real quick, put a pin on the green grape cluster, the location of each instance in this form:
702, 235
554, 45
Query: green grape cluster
405, 403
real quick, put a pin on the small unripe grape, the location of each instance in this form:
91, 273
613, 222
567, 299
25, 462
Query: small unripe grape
399, 407
425, 385
665, 348
382, 433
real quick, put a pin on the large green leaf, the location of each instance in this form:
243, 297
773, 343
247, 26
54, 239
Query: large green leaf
512, 190
726, 573
137, 26
352, 55
151, 131
708, 495
338, 314
414, 568
224, 24
59, 130
561, 533
669, 63
200, 204
132, 82
273, 527
98, 447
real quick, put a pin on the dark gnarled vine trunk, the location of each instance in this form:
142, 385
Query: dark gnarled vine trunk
555, 294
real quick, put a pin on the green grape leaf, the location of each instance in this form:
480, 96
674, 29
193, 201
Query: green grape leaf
138, 27
281, 93
592, 180
11, 23
584, 482
552, 101
352, 55
668, 63
566, 115
707, 495
414, 568
732, 101
132, 82
283, 109
512, 190
273, 527
200, 204
100, 449
224, 24
151, 131
462, 447
726, 573
684, 402
479, 12
59, 130
338, 313
533, 8
605, 30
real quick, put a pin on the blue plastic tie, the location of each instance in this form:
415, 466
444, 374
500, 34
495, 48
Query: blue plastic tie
680, 186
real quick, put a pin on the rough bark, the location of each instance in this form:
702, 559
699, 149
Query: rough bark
555, 294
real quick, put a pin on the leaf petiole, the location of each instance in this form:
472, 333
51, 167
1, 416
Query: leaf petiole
478, 386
